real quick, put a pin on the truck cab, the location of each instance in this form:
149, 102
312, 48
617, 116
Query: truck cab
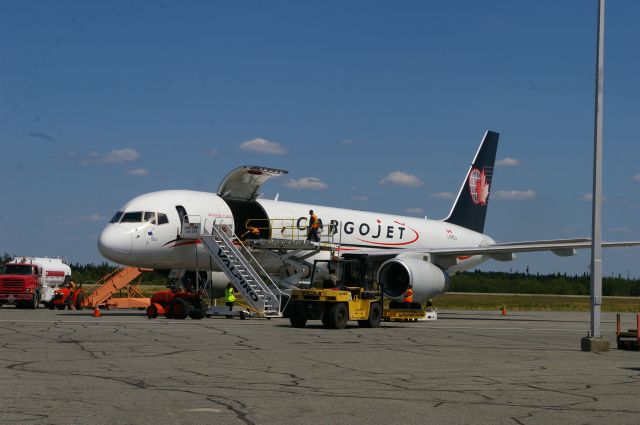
20, 284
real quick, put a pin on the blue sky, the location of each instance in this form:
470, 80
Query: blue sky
369, 105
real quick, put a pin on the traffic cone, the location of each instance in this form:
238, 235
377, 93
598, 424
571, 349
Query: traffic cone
504, 311
96, 312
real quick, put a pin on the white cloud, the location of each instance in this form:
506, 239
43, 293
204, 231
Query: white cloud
401, 178
311, 183
589, 197
636, 178
508, 162
414, 210
138, 172
443, 195
347, 142
212, 152
514, 195
619, 229
359, 198
120, 155
260, 145
93, 217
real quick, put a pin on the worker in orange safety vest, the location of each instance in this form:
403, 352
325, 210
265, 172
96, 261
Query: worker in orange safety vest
408, 297
313, 227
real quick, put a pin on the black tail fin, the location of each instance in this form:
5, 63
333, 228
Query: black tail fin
470, 208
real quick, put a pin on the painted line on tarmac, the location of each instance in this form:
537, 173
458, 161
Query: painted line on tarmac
483, 328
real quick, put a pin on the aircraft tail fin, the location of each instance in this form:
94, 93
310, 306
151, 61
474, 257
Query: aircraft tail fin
470, 207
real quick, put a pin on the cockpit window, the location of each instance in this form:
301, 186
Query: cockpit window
150, 217
162, 218
140, 217
132, 217
116, 218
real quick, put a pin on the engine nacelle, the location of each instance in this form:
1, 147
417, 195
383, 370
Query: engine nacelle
219, 283
426, 279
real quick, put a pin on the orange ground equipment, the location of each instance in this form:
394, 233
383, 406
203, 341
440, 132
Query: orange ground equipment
70, 296
178, 304
115, 282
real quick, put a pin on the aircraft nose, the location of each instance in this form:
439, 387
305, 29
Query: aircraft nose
115, 243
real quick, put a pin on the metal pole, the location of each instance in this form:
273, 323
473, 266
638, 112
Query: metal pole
596, 240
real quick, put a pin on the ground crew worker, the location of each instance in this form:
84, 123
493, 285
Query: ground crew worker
251, 233
408, 297
313, 227
229, 297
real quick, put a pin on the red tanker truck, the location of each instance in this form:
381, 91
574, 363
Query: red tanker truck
28, 281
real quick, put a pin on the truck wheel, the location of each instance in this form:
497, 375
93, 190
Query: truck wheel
337, 316
33, 304
180, 308
152, 311
80, 301
375, 315
296, 315
168, 311
298, 322
198, 309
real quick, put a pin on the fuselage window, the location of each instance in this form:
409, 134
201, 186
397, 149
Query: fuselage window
116, 218
150, 217
132, 217
162, 218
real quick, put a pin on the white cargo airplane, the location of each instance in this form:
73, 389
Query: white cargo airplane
422, 253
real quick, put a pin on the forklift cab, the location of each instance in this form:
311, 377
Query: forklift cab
353, 272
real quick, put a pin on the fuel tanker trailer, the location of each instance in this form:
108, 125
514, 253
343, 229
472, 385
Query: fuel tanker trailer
28, 281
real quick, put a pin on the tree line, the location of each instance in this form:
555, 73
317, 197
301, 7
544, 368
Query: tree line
473, 281
557, 284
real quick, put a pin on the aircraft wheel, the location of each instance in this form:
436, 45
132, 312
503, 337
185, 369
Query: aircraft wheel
60, 306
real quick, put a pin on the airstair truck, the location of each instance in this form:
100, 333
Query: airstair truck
28, 281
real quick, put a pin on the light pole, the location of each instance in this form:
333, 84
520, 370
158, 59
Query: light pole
595, 341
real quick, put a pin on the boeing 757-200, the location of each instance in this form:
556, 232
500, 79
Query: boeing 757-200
408, 251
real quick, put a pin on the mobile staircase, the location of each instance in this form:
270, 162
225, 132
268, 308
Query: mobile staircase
239, 265
114, 282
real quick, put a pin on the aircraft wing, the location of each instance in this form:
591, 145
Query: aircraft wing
243, 183
505, 251
501, 251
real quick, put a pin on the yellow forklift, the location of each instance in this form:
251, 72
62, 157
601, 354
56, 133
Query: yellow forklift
340, 290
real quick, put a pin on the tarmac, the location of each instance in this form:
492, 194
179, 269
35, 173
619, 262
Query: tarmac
66, 367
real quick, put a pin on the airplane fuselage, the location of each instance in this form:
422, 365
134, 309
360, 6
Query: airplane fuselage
142, 237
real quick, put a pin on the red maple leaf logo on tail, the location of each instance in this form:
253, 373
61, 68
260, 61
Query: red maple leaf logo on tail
482, 188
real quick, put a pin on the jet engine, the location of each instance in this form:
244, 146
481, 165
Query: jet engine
426, 279
219, 282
